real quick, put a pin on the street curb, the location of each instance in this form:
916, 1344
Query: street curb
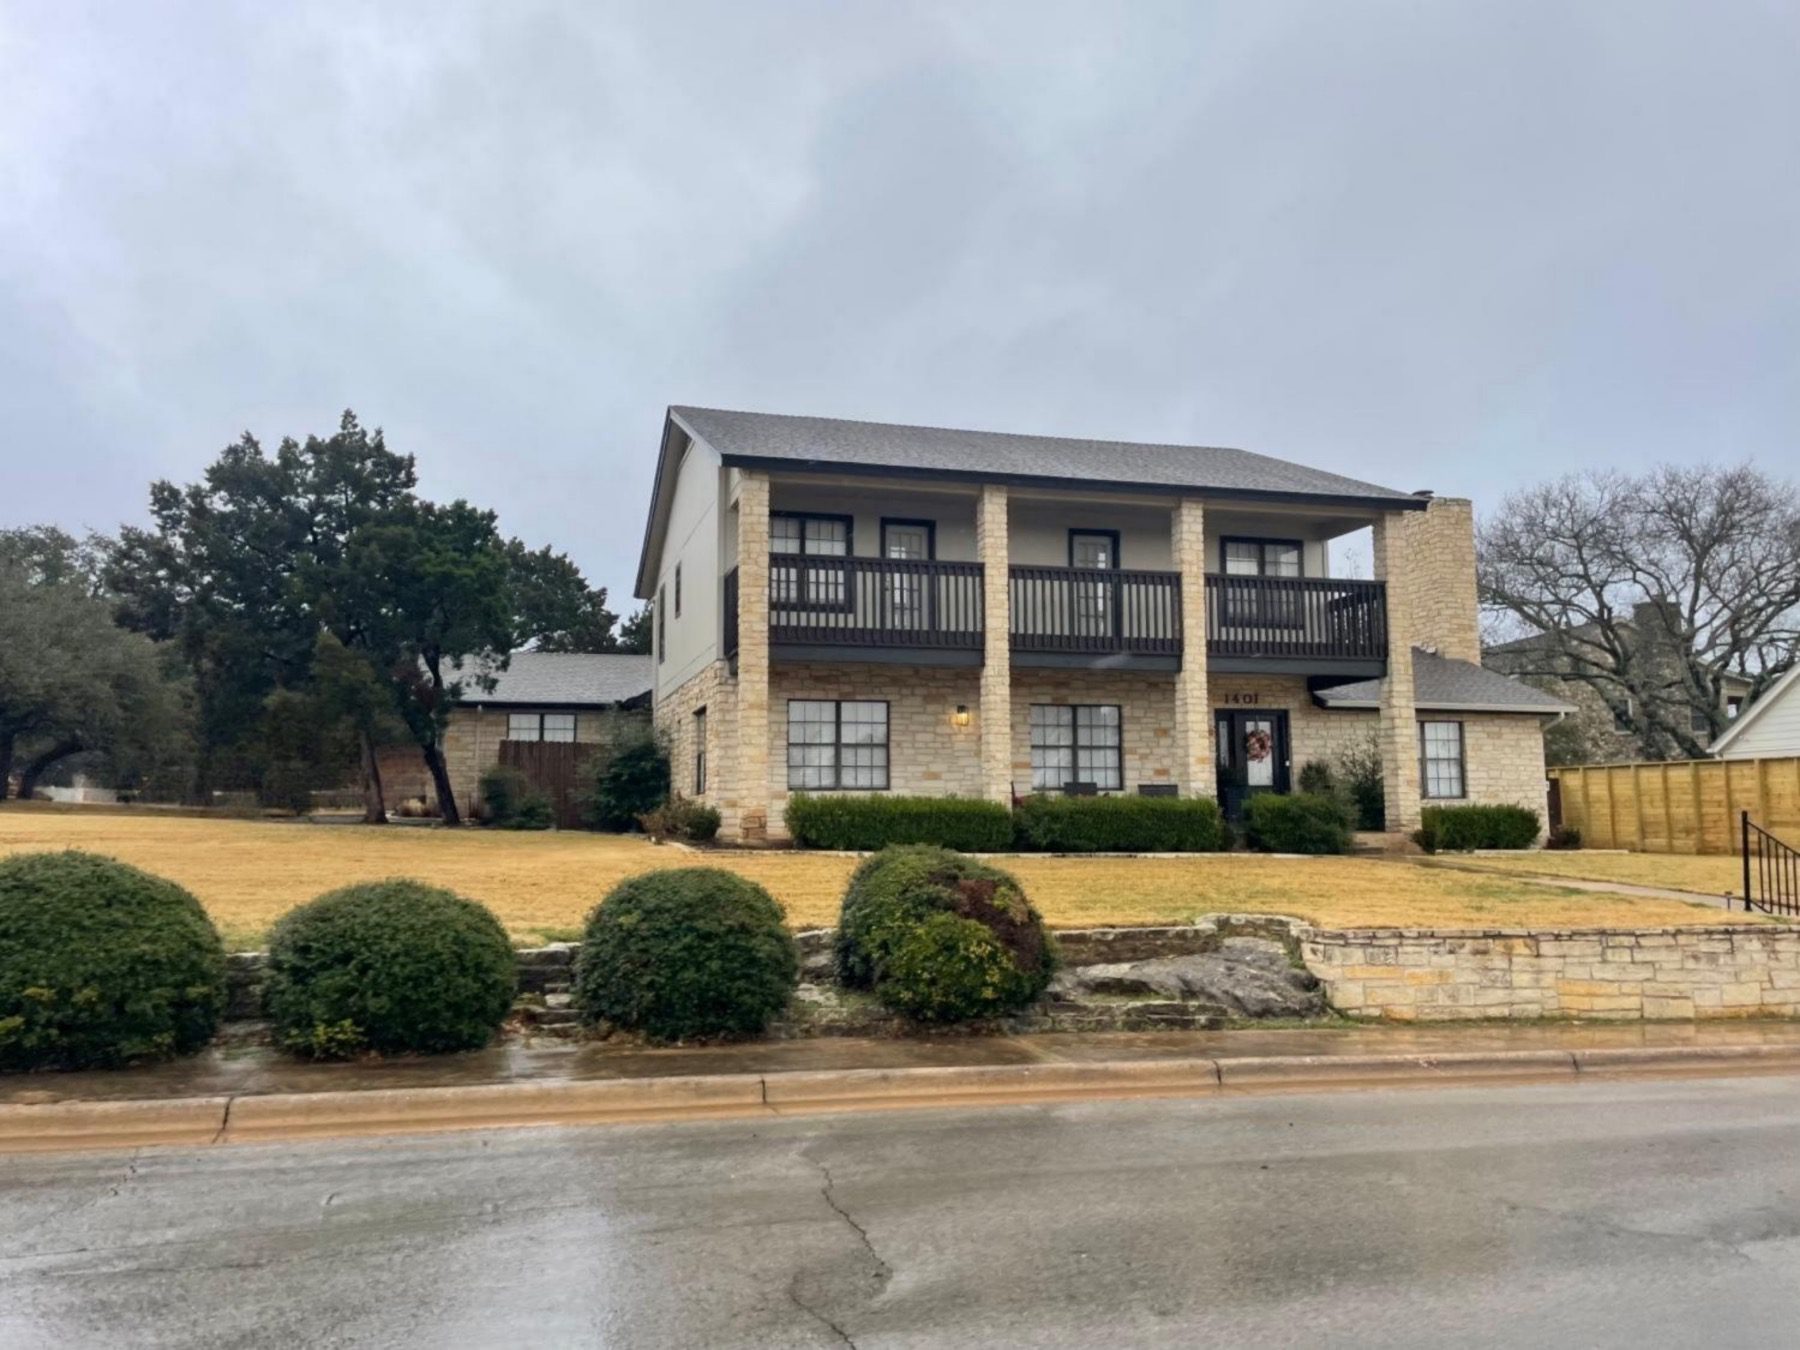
203, 1121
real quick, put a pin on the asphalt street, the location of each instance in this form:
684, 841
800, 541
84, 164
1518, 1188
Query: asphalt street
1629, 1213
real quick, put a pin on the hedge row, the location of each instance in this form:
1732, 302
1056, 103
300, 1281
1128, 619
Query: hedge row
1302, 822
1038, 824
1466, 827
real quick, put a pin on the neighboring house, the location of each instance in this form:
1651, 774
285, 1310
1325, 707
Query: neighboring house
851, 607
1597, 732
1769, 728
598, 698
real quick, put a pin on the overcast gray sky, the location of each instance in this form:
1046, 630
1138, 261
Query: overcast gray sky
1446, 245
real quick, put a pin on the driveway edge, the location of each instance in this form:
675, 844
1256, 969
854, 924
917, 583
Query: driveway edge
201, 1121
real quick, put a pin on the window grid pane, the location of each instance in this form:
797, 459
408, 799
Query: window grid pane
559, 727
837, 745
1443, 756
522, 727
1080, 743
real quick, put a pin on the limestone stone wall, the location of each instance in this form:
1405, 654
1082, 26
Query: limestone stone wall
1152, 748
1727, 970
714, 690
928, 754
1436, 579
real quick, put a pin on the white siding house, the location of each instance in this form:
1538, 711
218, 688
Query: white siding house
1769, 728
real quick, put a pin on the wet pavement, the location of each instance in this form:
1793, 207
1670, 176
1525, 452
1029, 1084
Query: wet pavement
246, 1070
1624, 1214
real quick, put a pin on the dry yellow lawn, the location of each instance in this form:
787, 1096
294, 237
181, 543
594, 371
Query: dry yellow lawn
248, 873
1707, 874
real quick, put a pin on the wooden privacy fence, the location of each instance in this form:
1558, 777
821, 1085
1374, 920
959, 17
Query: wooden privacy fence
1689, 806
554, 768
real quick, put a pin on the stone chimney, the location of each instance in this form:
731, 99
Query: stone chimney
1439, 548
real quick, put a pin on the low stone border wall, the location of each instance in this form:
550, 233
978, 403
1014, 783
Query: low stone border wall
1725, 970
1405, 974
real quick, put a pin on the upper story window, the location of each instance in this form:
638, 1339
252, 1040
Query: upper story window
662, 624
1733, 706
1622, 715
531, 726
678, 590
807, 585
1263, 557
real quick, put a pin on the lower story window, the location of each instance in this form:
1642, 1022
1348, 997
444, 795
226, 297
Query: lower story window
837, 744
1441, 759
1079, 743
540, 726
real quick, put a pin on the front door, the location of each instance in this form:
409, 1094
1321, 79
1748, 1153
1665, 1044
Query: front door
1252, 757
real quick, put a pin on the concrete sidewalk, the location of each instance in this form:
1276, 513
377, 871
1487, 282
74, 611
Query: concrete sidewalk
241, 1096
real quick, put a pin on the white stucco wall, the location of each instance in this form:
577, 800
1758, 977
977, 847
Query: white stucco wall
692, 543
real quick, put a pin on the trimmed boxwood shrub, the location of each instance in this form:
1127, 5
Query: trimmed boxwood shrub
392, 966
941, 937
690, 952
1300, 823
102, 965
869, 823
1049, 824
1466, 827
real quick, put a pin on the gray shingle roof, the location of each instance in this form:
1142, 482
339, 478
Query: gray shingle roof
567, 679
764, 437
1443, 685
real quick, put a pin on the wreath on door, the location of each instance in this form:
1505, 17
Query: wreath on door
1258, 746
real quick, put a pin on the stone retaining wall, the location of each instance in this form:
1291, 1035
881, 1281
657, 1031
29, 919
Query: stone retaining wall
1726, 970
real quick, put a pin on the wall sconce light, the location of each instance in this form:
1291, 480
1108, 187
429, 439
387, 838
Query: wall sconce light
961, 716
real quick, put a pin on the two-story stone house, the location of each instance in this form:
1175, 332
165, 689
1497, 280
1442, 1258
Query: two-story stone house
854, 607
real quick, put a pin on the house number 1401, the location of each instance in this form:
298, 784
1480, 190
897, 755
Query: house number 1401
1243, 700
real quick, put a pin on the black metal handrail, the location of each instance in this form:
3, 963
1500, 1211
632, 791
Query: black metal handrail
1095, 611
1771, 870
874, 602
1295, 616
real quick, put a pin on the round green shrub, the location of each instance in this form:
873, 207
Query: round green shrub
634, 781
102, 965
391, 966
941, 937
690, 952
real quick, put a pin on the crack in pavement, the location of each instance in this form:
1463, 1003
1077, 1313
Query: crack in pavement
886, 1272
816, 1315
224, 1119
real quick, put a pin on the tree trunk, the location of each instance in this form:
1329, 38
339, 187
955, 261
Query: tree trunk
374, 800
440, 778
6, 762
34, 769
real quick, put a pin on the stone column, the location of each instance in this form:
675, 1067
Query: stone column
1399, 728
1194, 770
752, 767
995, 711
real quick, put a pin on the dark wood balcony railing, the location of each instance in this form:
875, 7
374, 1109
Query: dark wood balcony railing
1304, 617
1088, 611
885, 602
874, 602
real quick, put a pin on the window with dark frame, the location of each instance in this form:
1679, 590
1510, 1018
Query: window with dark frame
699, 751
837, 745
1095, 608
908, 595
678, 590
1256, 606
532, 726
810, 585
662, 624
1077, 743
1441, 769
1622, 716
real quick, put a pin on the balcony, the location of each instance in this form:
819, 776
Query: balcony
930, 613
1295, 625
